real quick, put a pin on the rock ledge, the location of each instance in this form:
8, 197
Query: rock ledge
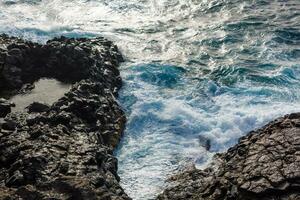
65, 150
264, 165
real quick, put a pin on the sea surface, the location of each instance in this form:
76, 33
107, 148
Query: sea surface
198, 74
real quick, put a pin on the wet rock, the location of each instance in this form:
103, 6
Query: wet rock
68, 60
17, 179
204, 142
5, 107
58, 151
37, 107
264, 165
26, 88
9, 125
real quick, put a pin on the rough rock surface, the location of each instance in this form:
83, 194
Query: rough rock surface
5, 107
265, 164
66, 150
67, 60
37, 107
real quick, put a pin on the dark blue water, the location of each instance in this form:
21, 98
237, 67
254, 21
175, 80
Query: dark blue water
197, 72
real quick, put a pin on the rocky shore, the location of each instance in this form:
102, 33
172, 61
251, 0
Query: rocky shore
65, 150
264, 165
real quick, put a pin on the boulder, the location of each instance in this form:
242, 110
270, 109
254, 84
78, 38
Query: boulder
8, 124
37, 107
5, 107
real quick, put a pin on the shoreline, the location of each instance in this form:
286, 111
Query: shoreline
263, 165
65, 150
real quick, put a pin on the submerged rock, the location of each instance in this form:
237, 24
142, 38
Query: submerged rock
37, 107
264, 165
65, 150
204, 142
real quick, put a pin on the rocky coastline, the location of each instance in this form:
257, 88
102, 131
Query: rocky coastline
264, 165
65, 150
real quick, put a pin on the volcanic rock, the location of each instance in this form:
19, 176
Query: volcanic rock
37, 107
65, 150
264, 165
5, 107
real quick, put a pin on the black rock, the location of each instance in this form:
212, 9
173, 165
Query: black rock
17, 179
204, 142
5, 107
264, 165
57, 152
37, 107
9, 125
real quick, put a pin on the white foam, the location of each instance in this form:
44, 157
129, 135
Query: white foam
165, 124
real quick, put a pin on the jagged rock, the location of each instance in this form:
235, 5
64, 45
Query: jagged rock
204, 142
9, 125
37, 107
26, 88
264, 165
58, 151
68, 60
5, 107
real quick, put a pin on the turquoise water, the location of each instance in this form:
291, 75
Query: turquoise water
198, 74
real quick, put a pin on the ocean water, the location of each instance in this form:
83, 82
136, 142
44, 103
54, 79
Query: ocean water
198, 74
